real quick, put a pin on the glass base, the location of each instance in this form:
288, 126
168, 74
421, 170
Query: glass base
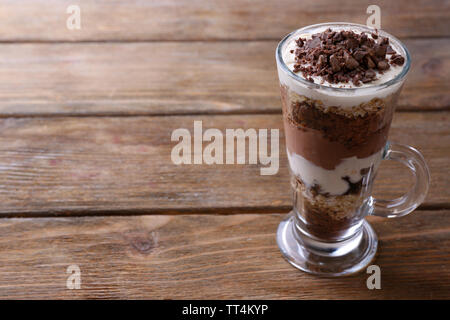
326, 259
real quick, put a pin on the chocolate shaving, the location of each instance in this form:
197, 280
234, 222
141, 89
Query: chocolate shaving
369, 63
350, 62
389, 50
397, 60
344, 56
382, 65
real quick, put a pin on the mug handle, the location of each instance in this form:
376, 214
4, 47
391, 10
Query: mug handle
405, 204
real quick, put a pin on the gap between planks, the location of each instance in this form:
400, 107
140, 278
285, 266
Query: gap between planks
219, 211
181, 114
34, 41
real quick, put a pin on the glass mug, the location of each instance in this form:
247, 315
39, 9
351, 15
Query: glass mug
335, 140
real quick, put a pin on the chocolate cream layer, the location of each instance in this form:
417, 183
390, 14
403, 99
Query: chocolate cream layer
326, 137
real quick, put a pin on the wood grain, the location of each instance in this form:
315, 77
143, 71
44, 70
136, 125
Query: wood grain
123, 166
176, 78
209, 257
139, 20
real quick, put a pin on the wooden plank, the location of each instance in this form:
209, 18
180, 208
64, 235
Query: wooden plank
176, 78
209, 257
123, 165
37, 20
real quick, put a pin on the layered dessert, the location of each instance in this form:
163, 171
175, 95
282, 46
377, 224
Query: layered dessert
337, 110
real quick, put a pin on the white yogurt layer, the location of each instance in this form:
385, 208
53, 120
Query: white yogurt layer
330, 181
340, 97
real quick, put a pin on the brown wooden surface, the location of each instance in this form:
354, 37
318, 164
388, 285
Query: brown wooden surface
177, 78
209, 257
117, 165
86, 118
37, 20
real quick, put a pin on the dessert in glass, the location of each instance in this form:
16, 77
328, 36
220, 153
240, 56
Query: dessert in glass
339, 87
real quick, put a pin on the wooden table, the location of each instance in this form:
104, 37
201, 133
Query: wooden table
85, 170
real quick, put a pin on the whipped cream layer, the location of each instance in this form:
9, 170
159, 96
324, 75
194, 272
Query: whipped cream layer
344, 95
331, 181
